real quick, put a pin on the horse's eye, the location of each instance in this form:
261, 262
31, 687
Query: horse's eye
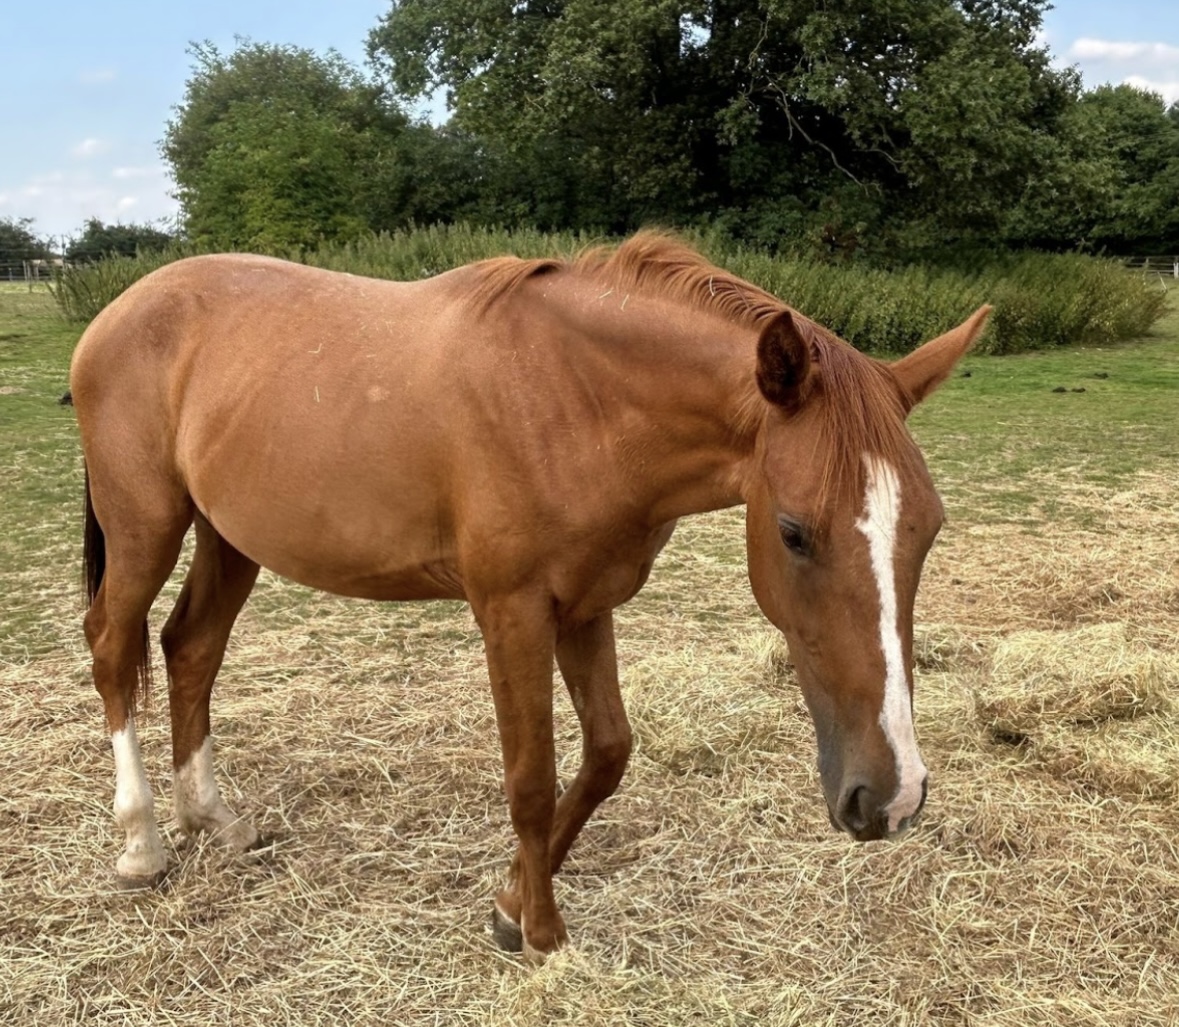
794, 537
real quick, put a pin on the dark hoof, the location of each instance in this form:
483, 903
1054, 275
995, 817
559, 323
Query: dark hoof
262, 847
507, 934
153, 882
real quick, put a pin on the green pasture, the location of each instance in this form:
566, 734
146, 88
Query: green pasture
1005, 444
1039, 889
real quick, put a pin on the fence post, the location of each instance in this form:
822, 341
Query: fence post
1175, 268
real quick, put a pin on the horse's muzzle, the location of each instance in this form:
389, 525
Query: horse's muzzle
861, 814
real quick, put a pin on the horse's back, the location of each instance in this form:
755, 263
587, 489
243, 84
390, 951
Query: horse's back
303, 411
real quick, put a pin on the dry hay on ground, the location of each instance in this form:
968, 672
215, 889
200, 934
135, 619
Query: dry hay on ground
1073, 678
1095, 706
1114, 558
710, 890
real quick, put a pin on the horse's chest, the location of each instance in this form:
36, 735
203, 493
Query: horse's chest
609, 573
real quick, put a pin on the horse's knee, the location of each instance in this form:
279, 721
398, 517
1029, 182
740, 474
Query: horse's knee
170, 638
532, 800
176, 635
92, 624
609, 757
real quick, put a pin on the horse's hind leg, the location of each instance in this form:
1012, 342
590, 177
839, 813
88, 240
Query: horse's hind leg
194, 641
139, 551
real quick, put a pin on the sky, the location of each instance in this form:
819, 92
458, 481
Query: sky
89, 86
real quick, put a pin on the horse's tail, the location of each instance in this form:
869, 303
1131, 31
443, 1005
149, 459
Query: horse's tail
94, 567
93, 548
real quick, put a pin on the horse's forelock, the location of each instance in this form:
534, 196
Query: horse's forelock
862, 414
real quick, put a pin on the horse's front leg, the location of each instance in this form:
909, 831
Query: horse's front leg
589, 666
520, 636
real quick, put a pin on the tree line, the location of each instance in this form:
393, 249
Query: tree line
892, 131
19, 241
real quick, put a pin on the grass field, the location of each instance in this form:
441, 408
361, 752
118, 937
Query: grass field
1042, 886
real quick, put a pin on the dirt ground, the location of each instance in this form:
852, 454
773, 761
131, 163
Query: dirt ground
1041, 887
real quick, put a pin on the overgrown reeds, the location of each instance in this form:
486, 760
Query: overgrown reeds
82, 291
1041, 300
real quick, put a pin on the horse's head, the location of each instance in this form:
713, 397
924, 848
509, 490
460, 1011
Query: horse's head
841, 513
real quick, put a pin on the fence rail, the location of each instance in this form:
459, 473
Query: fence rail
1159, 265
29, 271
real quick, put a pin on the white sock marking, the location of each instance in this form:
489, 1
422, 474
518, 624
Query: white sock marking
143, 855
882, 510
199, 806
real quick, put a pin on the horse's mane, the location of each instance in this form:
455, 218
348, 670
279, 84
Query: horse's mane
650, 262
865, 404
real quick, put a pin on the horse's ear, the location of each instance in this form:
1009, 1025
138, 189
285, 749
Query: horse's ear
927, 367
784, 361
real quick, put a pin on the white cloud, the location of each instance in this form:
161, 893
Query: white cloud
90, 148
97, 76
1086, 49
1168, 90
61, 202
1151, 66
150, 172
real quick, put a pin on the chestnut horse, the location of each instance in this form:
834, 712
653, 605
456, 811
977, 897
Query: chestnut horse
523, 435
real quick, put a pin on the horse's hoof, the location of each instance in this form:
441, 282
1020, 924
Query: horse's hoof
505, 931
534, 956
147, 882
260, 846
537, 956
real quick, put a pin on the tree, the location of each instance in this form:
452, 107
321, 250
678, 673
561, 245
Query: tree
98, 240
1116, 183
17, 241
1141, 143
276, 147
576, 107
853, 121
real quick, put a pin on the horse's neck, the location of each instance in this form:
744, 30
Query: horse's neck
686, 381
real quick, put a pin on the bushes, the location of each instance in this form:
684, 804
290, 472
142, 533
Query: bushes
421, 252
82, 291
1041, 300
880, 311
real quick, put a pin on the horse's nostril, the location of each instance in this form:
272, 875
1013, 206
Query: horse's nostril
853, 812
924, 793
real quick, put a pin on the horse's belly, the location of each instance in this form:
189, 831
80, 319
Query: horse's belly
361, 532
327, 554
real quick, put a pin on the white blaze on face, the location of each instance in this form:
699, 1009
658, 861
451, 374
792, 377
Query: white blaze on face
143, 856
882, 510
